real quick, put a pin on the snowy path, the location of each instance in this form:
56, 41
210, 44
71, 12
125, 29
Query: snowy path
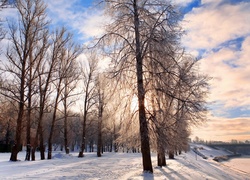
113, 166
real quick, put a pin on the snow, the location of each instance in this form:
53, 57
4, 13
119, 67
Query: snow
122, 166
240, 164
210, 152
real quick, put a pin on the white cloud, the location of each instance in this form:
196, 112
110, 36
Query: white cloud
60, 10
209, 26
230, 72
91, 23
223, 129
87, 22
8, 13
213, 2
182, 2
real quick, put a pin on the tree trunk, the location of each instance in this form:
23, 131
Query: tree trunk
7, 137
51, 132
99, 140
115, 137
40, 133
145, 147
49, 155
83, 130
29, 97
53, 121
28, 143
100, 113
28, 146
42, 148
28, 152
33, 154
86, 102
171, 154
33, 149
66, 136
161, 159
111, 146
66, 133
17, 144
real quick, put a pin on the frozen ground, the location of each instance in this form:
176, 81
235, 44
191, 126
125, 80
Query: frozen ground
121, 166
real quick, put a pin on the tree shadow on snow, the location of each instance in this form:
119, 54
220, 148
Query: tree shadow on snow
173, 174
148, 176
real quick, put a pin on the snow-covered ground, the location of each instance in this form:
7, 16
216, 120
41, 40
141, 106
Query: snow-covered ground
121, 166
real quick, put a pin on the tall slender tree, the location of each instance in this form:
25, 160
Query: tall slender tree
62, 57
71, 74
89, 75
59, 38
36, 56
100, 121
102, 97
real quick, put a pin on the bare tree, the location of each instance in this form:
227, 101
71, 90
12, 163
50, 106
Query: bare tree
89, 73
101, 96
36, 57
58, 41
100, 119
191, 90
178, 103
71, 74
58, 53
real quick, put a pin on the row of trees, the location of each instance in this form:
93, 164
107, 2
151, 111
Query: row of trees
41, 82
40, 66
149, 98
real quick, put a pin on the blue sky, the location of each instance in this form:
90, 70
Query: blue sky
189, 6
218, 34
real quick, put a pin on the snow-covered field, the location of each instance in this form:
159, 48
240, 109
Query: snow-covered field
112, 166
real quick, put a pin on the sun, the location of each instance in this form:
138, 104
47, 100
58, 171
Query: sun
134, 104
